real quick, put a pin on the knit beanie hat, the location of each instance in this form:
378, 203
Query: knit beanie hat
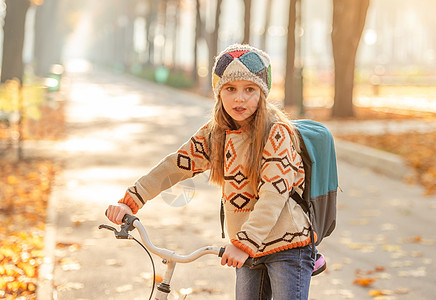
242, 62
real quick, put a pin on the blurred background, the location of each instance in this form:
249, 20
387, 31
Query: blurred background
341, 62
376, 46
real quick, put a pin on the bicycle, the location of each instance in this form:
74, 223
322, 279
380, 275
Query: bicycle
169, 258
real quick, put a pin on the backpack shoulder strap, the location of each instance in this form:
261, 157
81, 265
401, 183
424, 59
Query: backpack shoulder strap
300, 201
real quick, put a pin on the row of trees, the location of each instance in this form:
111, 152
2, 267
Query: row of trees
113, 36
48, 39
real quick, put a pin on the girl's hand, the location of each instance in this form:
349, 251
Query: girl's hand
233, 256
115, 213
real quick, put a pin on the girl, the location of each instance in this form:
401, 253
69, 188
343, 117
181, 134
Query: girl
252, 152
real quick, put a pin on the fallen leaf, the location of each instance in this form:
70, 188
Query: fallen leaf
72, 247
185, 291
400, 263
370, 213
70, 286
158, 278
374, 293
388, 227
124, 288
410, 240
113, 262
364, 281
347, 294
420, 272
402, 291
379, 269
391, 248
359, 222
69, 264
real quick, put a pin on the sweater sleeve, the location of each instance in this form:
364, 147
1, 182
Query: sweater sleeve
280, 164
190, 159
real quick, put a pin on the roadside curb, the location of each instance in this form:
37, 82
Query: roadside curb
382, 162
46, 269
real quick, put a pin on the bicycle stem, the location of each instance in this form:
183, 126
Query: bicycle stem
164, 288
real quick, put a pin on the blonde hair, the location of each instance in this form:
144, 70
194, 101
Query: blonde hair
259, 125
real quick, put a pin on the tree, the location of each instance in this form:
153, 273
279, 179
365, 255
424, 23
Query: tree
198, 33
48, 37
247, 21
267, 24
211, 39
290, 91
13, 39
348, 23
151, 23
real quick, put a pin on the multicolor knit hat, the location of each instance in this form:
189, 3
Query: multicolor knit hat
242, 62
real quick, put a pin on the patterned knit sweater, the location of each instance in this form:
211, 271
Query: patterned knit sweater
259, 223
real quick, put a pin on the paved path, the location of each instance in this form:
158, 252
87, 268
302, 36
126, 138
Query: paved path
119, 126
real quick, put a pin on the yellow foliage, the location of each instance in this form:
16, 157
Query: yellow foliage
23, 199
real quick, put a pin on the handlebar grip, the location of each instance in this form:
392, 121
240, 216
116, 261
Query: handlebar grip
220, 254
125, 218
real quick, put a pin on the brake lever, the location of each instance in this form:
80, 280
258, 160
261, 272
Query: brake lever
125, 227
122, 234
107, 227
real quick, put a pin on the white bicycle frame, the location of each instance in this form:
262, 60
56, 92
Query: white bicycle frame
169, 258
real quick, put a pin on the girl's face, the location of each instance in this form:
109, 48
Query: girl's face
240, 99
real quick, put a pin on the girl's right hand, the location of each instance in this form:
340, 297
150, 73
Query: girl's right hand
115, 213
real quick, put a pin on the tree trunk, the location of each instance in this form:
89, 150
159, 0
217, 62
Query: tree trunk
290, 99
176, 25
13, 39
47, 47
198, 27
247, 20
213, 42
267, 24
128, 8
348, 23
151, 30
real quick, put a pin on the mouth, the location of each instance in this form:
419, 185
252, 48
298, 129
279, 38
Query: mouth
239, 109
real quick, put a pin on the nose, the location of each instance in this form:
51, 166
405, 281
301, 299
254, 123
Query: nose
239, 98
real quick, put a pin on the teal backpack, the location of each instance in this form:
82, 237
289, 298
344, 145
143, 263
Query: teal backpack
321, 181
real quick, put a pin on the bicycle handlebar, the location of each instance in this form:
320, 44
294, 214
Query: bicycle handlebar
132, 222
171, 255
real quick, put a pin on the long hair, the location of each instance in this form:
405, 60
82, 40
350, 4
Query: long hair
259, 126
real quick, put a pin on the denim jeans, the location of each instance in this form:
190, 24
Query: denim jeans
285, 276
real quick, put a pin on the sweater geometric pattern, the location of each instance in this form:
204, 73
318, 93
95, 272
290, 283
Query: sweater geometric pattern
261, 221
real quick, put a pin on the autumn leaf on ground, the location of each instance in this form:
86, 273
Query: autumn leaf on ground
124, 288
158, 278
364, 281
72, 247
69, 264
375, 293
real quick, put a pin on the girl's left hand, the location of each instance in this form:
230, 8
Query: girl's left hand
233, 256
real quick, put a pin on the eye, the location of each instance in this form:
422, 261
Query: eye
250, 89
230, 88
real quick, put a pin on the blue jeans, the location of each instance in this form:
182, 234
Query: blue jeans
285, 276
